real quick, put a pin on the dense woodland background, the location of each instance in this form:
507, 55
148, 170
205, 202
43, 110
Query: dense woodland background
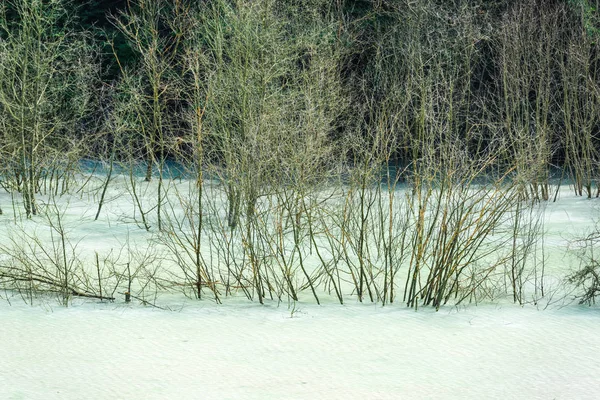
484, 75
481, 107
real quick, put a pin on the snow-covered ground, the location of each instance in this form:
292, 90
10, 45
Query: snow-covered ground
247, 351
546, 349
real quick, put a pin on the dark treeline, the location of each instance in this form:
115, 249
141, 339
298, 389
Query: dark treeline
485, 76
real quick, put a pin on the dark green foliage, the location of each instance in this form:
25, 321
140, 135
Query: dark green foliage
589, 15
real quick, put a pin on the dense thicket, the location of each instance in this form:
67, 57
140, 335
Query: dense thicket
276, 100
516, 75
